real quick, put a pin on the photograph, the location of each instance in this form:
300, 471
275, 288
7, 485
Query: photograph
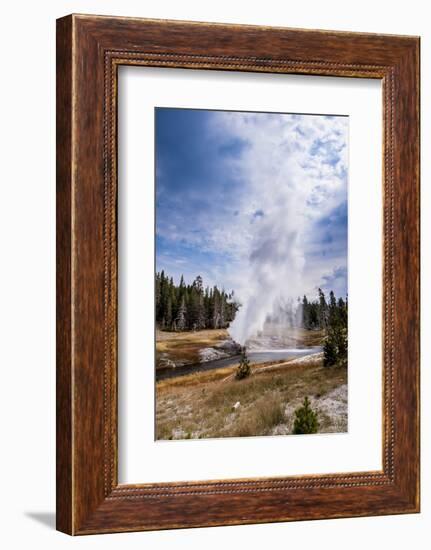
251, 273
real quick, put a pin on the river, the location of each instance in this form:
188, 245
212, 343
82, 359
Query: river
256, 356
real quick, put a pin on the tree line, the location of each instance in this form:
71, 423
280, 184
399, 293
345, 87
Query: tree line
319, 314
331, 316
192, 307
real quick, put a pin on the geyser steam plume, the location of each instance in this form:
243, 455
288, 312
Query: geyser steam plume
294, 173
275, 270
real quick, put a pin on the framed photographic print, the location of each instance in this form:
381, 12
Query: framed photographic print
237, 274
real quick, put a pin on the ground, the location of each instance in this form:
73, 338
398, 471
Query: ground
184, 347
189, 347
214, 404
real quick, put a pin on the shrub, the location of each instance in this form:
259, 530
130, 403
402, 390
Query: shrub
243, 369
305, 419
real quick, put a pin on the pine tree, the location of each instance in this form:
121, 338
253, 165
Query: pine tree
305, 419
305, 313
168, 315
157, 295
333, 309
323, 310
200, 306
182, 284
200, 320
243, 370
216, 308
336, 344
329, 352
222, 309
180, 320
198, 284
342, 311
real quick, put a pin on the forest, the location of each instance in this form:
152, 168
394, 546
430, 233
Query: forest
321, 313
192, 307
185, 307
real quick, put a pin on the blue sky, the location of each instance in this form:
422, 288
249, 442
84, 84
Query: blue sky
244, 197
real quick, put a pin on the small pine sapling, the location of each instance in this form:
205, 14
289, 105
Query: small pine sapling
243, 369
305, 419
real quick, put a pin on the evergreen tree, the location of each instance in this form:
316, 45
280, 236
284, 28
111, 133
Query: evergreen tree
305, 313
222, 309
323, 310
333, 310
243, 370
216, 308
200, 305
336, 345
305, 419
182, 284
329, 352
180, 321
168, 313
198, 284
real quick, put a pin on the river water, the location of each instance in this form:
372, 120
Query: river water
256, 356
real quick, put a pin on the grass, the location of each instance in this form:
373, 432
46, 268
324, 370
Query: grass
183, 347
201, 405
266, 414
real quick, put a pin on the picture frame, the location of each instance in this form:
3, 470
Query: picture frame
89, 51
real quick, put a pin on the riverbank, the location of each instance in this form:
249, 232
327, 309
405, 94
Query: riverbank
184, 352
176, 349
271, 356
214, 404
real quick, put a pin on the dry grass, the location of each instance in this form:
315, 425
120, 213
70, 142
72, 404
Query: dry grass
183, 347
194, 379
201, 405
266, 414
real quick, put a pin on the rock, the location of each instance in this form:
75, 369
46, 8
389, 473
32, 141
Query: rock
211, 354
163, 362
229, 346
